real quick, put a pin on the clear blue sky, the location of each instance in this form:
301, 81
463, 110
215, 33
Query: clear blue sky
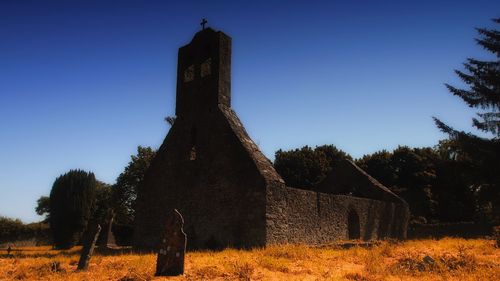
83, 83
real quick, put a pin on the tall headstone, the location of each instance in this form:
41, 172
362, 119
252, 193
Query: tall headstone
172, 250
88, 249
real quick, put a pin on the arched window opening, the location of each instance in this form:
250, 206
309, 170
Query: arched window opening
353, 225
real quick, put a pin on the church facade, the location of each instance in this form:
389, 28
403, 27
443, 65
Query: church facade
229, 193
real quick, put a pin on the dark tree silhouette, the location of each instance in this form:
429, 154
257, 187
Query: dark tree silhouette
483, 81
43, 207
379, 165
306, 167
452, 186
127, 183
103, 201
410, 173
72, 199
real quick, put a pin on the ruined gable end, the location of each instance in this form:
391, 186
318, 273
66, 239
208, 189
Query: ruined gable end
208, 168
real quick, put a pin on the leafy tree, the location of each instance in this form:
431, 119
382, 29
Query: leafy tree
483, 81
43, 207
72, 200
332, 154
379, 165
10, 228
436, 182
127, 183
408, 172
103, 201
306, 167
415, 176
452, 187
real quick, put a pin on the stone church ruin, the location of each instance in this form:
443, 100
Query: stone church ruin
228, 192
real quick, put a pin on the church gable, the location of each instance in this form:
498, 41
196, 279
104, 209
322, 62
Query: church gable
349, 179
262, 163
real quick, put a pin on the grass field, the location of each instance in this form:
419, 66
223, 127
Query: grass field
445, 259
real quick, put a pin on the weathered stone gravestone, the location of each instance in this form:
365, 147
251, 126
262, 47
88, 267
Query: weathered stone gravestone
88, 249
107, 239
170, 260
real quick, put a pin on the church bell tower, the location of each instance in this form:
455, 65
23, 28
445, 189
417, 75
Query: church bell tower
203, 74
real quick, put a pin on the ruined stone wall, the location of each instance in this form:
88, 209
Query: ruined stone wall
208, 167
303, 216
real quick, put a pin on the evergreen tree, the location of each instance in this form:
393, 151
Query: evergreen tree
483, 81
72, 200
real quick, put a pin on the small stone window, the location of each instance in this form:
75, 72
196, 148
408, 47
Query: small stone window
205, 68
192, 151
189, 74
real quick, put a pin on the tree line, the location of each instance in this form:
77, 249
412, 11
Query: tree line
438, 185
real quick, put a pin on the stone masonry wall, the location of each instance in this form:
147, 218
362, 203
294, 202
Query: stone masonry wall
303, 216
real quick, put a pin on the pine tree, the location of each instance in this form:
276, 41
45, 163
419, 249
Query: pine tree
483, 81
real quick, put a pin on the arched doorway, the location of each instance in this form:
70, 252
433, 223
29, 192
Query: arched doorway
353, 225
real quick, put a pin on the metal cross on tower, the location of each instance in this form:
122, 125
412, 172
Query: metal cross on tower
203, 22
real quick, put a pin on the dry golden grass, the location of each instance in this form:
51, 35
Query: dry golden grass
445, 259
